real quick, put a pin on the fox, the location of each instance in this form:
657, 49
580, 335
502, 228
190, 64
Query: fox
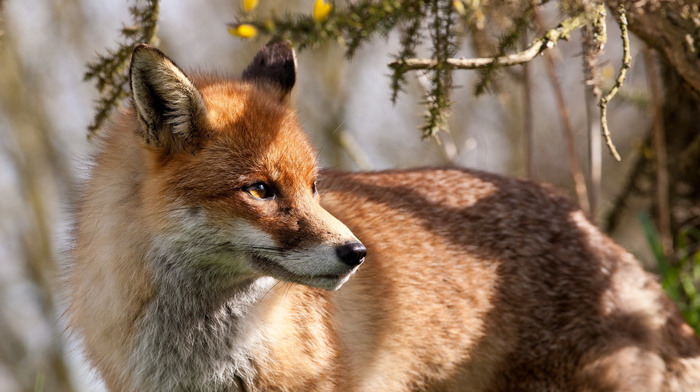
210, 253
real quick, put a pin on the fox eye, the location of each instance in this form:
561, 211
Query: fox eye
259, 190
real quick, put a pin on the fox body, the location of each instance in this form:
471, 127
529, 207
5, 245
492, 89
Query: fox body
206, 259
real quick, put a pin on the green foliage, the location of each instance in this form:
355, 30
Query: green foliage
680, 274
443, 35
110, 71
411, 37
507, 43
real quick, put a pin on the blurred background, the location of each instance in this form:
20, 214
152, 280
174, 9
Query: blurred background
345, 106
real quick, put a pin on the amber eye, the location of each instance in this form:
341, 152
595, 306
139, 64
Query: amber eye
259, 190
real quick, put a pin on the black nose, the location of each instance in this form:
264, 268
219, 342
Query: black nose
352, 254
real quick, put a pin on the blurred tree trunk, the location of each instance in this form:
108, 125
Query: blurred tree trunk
41, 173
681, 121
672, 28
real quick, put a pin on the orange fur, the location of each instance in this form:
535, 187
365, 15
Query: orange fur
183, 280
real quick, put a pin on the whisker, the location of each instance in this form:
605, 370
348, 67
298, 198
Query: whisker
288, 288
271, 288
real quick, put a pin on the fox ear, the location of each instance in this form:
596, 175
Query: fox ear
274, 66
167, 102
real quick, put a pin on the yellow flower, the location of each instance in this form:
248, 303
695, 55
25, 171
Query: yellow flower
244, 30
249, 5
459, 7
608, 71
321, 10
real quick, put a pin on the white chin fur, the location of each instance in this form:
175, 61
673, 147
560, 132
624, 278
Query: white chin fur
276, 269
317, 266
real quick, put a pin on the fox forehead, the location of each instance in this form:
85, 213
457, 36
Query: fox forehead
250, 135
231, 102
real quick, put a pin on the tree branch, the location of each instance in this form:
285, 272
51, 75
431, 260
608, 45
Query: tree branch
547, 41
603, 103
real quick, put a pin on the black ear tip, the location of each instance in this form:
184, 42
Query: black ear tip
277, 53
281, 48
274, 64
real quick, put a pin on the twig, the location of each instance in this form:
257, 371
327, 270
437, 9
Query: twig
348, 143
690, 153
449, 148
2, 12
35, 160
593, 37
630, 187
568, 131
626, 59
547, 41
595, 169
661, 168
527, 116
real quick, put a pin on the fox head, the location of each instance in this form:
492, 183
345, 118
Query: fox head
230, 179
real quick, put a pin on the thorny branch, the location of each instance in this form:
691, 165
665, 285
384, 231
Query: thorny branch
438, 98
110, 71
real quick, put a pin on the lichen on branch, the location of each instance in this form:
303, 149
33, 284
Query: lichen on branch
626, 60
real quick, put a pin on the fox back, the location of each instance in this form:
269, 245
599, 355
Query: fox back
210, 254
